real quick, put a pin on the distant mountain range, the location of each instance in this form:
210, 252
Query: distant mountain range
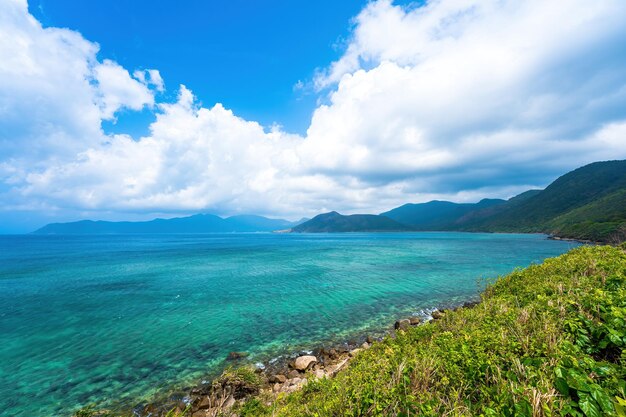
587, 203
199, 223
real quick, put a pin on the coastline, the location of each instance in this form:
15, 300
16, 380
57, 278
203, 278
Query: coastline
278, 374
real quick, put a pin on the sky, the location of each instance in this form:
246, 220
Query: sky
122, 110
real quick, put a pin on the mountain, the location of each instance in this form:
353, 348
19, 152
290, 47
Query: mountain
437, 215
334, 222
587, 203
199, 223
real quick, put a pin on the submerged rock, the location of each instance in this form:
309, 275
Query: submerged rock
232, 356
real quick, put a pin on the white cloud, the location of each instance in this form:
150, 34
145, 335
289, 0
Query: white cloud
455, 99
500, 85
54, 92
117, 89
150, 77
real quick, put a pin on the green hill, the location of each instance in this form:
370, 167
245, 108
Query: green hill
601, 220
587, 203
436, 215
334, 222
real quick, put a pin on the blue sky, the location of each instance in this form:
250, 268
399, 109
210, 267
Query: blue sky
134, 109
246, 54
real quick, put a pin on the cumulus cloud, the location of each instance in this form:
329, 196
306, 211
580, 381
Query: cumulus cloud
116, 89
54, 92
489, 85
456, 100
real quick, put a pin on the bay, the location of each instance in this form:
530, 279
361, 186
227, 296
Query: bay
119, 319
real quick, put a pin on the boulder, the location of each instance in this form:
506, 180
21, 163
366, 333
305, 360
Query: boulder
293, 374
414, 320
436, 315
319, 374
295, 381
278, 378
354, 352
302, 363
365, 345
402, 324
203, 403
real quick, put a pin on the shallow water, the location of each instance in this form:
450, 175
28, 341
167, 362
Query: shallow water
117, 319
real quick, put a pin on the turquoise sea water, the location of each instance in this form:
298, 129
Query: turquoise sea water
118, 319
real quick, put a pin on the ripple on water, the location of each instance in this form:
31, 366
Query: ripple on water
104, 318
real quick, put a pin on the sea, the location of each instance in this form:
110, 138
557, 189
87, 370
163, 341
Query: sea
119, 320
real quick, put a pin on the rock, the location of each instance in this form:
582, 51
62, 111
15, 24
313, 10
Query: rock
436, 315
414, 320
233, 356
295, 381
293, 374
319, 374
203, 403
354, 352
365, 345
369, 340
278, 378
277, 387
402, 324
302, 363
332, 353
343, 349
470, 304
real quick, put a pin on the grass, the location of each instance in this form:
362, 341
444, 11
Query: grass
547, 340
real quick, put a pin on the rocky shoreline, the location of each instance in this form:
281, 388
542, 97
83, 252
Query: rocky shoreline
243, 380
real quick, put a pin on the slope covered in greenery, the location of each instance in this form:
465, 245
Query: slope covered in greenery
334, 222
436, 215
602, 220
587, 203
545, 341
584, 203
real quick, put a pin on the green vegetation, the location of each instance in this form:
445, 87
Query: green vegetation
240, 382
588, 203
335, 223
545, 341
439, 215
601, 220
